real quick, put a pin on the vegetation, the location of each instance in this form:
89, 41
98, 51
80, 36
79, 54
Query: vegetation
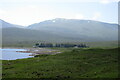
70, 65
65, 45
22, 44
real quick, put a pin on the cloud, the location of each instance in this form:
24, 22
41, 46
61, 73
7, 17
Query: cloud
2, 12
27, 14
108, 1
54, 1
105, 1
32, 11
79, 16
68, 16
21, 1
96, 16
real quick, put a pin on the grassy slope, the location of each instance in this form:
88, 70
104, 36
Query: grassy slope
102, 44
13, 36
75, 63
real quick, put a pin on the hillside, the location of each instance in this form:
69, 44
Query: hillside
14, 35
4, 24
86, 30
59, 30
69, 65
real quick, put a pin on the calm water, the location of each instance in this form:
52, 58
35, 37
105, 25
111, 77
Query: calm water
11, 54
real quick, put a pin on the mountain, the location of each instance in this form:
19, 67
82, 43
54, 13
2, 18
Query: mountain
60, 30
13, 35
85, 30
4, 24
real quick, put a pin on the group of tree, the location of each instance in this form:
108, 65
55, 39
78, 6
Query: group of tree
65, 45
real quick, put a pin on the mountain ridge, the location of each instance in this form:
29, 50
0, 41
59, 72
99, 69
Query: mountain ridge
77, 28
4, 24
63, 30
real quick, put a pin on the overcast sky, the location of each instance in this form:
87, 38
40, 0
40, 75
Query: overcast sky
26, 12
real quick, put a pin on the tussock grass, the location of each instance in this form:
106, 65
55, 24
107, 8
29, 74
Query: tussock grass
72, 64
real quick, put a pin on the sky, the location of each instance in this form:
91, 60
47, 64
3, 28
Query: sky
26, 12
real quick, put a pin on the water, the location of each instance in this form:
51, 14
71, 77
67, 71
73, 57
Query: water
11, 54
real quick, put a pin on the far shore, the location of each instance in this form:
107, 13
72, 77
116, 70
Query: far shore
35, 51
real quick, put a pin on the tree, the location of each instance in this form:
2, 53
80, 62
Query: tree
37, 44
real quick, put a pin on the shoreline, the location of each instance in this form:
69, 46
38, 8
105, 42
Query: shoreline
38, 51
35, 51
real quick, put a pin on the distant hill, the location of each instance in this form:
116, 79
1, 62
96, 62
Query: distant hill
60, 30
83, 29
20, 35
4, 24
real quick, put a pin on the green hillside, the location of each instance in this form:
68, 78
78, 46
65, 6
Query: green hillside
14, 35
73, 31
73, 64
86, 30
